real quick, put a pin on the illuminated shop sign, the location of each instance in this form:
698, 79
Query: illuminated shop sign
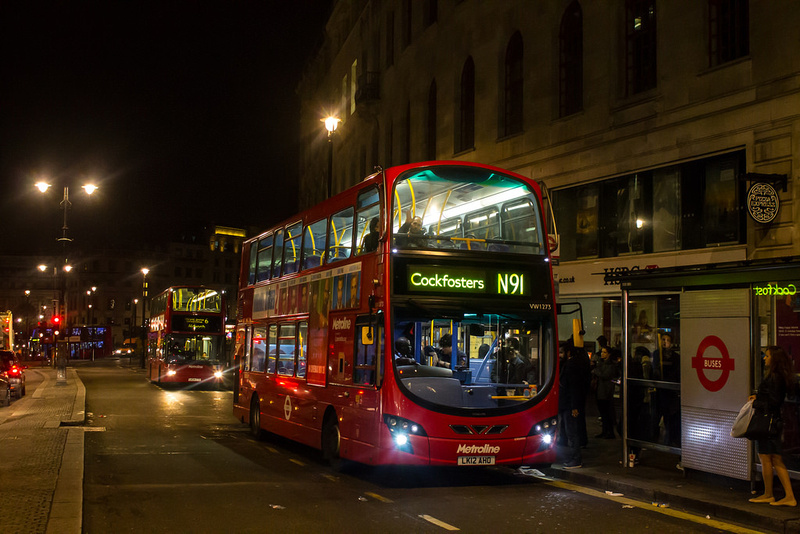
775, 290
456, 280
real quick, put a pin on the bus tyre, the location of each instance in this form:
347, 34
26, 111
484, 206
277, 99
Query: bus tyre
255, 418
331, 440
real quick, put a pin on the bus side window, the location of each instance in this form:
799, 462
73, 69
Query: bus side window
291, 248
340, 235
286, 349
259, 349
368, 220
314, 244
302, 345
273, 348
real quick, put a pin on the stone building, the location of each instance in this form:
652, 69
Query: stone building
665, 134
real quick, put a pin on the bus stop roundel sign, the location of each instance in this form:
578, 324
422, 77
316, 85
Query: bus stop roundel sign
723, 363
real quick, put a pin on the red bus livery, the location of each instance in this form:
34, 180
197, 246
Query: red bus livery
407, 320
187, 337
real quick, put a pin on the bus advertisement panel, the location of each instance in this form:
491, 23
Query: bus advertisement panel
187, 337
407, 320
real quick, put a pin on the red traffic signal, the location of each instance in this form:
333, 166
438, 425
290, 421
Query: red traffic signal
56, 320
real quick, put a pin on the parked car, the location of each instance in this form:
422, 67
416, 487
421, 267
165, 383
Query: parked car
5, 390
14, 372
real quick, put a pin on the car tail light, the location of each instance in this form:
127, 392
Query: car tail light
14, 371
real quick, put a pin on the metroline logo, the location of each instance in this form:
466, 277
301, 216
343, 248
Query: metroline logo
477, 449
342, 323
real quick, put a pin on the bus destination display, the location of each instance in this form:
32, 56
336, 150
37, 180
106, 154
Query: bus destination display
189, 323
435, 279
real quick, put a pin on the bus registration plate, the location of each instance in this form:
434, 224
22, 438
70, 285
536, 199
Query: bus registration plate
476, 460
195, 380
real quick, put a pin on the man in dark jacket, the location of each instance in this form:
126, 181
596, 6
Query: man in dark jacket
570, 405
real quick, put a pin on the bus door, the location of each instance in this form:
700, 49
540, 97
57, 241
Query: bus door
293, 405
360, 414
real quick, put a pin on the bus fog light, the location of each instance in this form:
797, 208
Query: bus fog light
401, 440
547, 438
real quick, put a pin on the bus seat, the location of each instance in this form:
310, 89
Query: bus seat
290, 267
498, 247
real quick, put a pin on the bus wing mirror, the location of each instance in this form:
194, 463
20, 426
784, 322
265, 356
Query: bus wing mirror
476, 330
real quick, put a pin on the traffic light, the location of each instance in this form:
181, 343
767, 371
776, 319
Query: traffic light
56, 320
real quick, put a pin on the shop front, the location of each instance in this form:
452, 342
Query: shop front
686, 375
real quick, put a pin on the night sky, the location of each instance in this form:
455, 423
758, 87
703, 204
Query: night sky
182, 111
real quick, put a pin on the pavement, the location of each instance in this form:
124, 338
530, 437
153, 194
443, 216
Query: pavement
42, 454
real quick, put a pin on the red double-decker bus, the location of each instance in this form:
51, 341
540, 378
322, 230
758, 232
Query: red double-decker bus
186, 339
407, 320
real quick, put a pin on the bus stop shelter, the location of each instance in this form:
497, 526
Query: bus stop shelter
719, 319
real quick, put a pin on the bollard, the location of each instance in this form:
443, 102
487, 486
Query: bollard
61, 363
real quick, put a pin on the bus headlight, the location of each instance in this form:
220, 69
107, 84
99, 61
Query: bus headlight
171, 372
217, 374
547, 430
400, 429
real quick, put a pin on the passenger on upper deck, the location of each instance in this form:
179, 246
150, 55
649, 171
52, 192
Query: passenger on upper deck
370, 241
411, 234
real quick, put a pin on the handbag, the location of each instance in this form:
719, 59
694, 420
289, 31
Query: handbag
763, 425
742, 420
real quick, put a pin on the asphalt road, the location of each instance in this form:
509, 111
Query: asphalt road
178, 461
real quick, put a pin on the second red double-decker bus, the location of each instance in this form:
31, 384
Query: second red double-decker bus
186, 340
407, 320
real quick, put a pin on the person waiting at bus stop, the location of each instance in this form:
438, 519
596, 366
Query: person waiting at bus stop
570, 403
770, 396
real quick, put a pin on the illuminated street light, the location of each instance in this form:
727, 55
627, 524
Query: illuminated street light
43, 186
331, 123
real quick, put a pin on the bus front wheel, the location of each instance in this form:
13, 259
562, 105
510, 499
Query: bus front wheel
255, 418
331, 439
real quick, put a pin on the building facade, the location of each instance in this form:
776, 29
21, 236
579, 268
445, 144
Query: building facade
665, 133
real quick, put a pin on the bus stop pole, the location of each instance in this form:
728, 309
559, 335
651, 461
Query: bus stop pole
61, 362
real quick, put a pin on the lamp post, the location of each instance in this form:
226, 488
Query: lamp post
145, 271
331, 123
90, 328
43, 186
133, 327
27, 317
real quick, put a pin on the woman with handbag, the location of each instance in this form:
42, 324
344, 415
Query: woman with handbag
769, 397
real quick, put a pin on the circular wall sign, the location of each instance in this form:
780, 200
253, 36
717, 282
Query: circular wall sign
724, 363
763, 202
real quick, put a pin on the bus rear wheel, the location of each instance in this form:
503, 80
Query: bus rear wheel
255, 418
331, 439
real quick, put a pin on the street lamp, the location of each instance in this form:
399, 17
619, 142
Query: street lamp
43, 186
90, 328
27, 319
145, 271
331, 123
